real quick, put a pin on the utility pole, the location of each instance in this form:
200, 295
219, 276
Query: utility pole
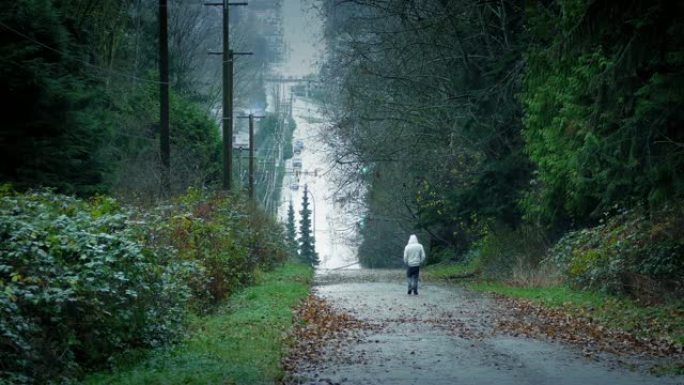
164, 142
227, 121
251, 157
251, 118
291, 103
240, 166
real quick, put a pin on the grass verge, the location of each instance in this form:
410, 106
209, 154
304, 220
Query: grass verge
653, 323
656, 321
242, 343
448, 271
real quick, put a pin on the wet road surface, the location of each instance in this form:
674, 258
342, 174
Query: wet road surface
445, 335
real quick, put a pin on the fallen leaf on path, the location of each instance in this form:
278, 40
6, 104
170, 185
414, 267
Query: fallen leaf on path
320, 329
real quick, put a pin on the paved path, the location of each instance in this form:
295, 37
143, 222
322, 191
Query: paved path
445, 335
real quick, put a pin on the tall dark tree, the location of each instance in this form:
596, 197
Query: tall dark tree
427, 117
307, 242
291, 229
52, 126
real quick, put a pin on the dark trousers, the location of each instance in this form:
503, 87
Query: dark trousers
412, 275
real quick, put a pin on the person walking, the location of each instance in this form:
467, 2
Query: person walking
414, 256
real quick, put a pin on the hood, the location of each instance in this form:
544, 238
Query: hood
413, 239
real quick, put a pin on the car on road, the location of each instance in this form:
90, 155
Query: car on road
298, 146
294, 186
297, 163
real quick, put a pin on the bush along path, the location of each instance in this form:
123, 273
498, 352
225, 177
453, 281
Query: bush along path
362, 328
242, 343
84, 283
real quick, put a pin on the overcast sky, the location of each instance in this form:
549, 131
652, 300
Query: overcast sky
303, 37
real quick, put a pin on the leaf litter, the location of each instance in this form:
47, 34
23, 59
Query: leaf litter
525, 318
319, 331
331, 344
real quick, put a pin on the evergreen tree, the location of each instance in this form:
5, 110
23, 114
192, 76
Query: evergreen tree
307, 243
291, 230
52, 116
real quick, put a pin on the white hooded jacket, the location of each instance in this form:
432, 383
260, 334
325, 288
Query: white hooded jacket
414, 254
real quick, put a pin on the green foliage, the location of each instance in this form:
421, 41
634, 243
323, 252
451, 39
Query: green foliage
382, 228
307, 241
76, 286
291, 229
88, 128
288, 135
83, 281
504, 252
195, 143
433, 115
268, 129
49, 137
633, 252
500, 118
602, 108
450, 270
439, 256
242, 343
266, 238
226, 238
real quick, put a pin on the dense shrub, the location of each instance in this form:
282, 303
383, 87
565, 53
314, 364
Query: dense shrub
225, 236
633, 252
83, 281
288, 133
76, 286
439, 255
511, 254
